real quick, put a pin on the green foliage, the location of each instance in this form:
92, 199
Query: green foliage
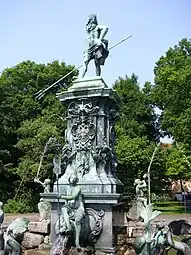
34, 135
19, 206
133, 159
26, 201
172, 90
170, 207
26, 124
177, 163
137, 135
137, 117
172, 94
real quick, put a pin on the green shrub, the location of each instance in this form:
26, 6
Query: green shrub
19, 206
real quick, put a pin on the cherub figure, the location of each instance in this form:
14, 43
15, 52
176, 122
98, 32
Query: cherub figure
140, 186
44, 208
45, 184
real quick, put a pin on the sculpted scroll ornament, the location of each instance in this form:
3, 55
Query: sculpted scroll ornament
67, 155
104, 154
98, 218
113, 116
82, 107
91, 227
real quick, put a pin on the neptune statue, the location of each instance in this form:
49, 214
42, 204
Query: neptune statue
97, 48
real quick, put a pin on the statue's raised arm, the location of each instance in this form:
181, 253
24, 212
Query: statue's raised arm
97, 48
102, 31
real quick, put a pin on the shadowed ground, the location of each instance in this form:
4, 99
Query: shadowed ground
34, 217
9, 217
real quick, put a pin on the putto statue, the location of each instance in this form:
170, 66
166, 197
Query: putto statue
97, 48
44, 208
45, 184
140, 187
140, 202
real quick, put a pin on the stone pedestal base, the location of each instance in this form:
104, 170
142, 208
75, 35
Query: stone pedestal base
113, 216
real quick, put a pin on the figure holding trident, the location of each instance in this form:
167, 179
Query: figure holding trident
97, 48
73, 211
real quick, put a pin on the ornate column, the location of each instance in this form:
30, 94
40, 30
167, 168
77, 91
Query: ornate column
89, 150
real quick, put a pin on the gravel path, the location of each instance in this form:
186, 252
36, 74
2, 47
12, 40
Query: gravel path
10, 217
163, 217
170, 217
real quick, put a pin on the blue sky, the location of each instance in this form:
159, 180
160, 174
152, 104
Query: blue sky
44, 30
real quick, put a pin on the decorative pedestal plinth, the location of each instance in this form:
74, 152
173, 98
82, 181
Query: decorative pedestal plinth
89, 150
112, 217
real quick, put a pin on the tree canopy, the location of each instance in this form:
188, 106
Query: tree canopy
172, 94
137, 134
172, 90
27, 124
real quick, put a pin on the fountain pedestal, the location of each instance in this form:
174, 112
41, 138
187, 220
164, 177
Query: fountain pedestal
89, 154
112, 217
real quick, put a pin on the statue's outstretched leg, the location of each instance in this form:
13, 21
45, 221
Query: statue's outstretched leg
85, 68
66, 218
98, 69
78, 229
15, 246
1, 241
